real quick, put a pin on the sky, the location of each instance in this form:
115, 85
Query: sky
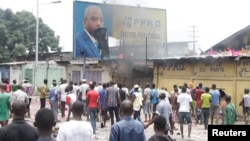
214, 20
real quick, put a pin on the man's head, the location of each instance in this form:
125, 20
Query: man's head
162, 95
93, 18
246, 91
54, 83
77, 108
136, 88
153, 86
44, 120
26, 80
126, 108
92, 86
147, 85
183, 89
104, 85
45, 81
213, 86
228, 98
84, 80
119, 85
207, 90
19, 86
18, 109
159, 124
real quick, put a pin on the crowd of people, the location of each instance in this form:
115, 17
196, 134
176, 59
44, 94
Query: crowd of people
114, 102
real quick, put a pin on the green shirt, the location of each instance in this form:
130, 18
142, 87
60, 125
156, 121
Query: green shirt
14, 87
206, 100
230, 114
4, 106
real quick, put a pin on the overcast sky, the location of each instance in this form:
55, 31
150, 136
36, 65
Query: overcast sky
215, 19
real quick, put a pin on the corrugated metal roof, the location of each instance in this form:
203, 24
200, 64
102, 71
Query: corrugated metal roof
198, 57
13, 63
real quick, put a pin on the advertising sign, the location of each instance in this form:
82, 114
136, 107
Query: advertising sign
99, 28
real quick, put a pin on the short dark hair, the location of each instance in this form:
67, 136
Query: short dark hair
214, 86
246, 91
104, 85
14, 81
45, 81
92, 86
77, 107
44, 119
119, 85
228, 98
206, 89
153, 85
160, 123
183, 89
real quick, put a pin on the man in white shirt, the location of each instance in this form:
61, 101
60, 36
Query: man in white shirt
83, 90
62, 95
76, 129
28, 89
184, 101
19, 95
76, 88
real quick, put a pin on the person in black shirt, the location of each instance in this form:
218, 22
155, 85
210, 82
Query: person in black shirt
45, 121
18, 130
159, 128
122, 93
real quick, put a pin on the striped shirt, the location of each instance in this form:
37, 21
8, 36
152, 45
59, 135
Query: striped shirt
112, 97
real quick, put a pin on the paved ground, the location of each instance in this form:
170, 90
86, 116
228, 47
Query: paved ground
198, 131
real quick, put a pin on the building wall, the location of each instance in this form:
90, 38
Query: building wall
15, 73
228, 74
98, 72
49, 70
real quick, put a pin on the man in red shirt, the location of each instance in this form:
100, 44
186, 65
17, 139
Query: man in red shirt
93, 105
199, 116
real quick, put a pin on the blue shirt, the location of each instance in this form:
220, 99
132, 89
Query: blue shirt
102, 98
53, 93
215, 97
154, 94
127, 129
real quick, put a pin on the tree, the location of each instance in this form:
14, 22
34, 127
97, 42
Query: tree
18, 35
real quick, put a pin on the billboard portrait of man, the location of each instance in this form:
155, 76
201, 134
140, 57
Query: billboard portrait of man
91, 40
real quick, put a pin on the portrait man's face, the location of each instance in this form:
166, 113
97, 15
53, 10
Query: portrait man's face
93, 19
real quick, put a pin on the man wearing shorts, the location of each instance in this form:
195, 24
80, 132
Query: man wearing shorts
184, 101
245, 103
147, 103
215, 104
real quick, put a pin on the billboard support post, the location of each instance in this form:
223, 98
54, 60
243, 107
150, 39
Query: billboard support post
146, 51
84, 65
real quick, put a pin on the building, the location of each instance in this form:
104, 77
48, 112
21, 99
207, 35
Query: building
227, 64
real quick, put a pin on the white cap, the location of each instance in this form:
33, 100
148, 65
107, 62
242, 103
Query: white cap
84, 80
136, 86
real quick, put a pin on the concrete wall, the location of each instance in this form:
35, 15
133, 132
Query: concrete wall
231, 75
49, 70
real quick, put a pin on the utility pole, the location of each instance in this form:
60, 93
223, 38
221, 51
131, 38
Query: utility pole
194, 31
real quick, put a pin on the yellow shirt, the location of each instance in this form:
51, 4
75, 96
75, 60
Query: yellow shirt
206, 100
43, 91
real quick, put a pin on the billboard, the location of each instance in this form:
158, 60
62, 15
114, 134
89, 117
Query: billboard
101, 29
